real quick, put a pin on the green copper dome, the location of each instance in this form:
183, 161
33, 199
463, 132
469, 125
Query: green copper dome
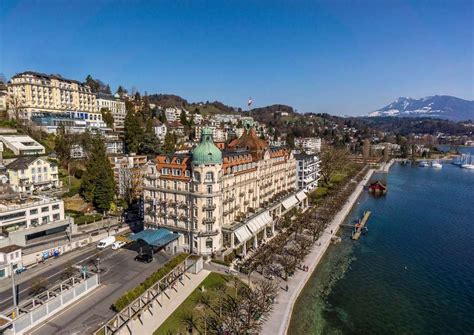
206, 152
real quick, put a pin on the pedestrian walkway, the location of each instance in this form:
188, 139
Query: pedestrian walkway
154, 317
279, 320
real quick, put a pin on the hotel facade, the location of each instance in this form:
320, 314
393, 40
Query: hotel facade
222, 201
31, 92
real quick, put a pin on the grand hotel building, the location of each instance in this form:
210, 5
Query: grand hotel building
222, 201
38, 92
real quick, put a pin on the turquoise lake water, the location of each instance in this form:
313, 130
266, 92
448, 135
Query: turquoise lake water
413, 273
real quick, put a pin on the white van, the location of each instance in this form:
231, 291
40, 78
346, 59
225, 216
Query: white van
105, 242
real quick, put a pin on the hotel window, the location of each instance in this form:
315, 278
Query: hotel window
209, 176
55, 207
34, 211
55, 217
44, 219
209, 189
44, 209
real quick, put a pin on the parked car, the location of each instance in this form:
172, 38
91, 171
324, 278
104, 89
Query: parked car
118, 244
145, 258
105, 242
20, 269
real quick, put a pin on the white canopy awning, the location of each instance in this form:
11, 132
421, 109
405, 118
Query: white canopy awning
243, 233
301, 195
259, 221
289, 202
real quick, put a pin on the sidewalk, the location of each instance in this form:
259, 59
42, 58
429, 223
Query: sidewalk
150, 322
279, 320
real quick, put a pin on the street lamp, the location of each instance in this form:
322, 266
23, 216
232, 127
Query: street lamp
15, 303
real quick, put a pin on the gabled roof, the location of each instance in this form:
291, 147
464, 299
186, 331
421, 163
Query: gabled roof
22, 163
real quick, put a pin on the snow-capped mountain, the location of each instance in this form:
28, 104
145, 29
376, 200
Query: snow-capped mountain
438, 106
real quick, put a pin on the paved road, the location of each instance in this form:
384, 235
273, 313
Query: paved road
88, 314
52, 274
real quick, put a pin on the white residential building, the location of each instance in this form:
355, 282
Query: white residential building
310, 145
29, 174
116, 107
308, 171
10, 258
218, 134
22, 220
173, 113
159, 129
22, 145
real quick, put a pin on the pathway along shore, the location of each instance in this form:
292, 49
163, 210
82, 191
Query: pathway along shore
279, 320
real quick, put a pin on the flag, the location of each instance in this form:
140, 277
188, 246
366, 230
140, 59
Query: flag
249, 103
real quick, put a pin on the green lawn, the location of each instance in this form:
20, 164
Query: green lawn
338, 177
174, 323
75, 183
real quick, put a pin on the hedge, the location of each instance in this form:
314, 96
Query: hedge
133, 294
220, 261
84, 219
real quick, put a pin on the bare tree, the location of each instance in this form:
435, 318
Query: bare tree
130, 183
16, 109
333, 160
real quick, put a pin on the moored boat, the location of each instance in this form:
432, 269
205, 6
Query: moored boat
436, 164
423, 164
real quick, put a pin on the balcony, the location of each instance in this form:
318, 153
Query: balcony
209, 233
209, 220
208, 207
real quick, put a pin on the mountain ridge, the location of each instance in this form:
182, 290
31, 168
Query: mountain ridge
435, 106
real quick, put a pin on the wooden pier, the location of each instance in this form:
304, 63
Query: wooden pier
360, 226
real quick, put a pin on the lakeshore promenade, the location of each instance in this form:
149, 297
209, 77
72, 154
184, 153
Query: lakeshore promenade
279, 320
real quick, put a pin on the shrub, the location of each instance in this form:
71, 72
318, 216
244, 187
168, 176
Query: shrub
133, 294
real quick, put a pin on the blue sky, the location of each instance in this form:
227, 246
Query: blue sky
340, 57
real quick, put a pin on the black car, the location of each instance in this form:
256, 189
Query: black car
145, 258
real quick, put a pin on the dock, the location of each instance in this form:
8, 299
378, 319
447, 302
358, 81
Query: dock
361, 225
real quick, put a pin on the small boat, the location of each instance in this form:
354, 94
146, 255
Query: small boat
468, 166
423, 164
436, 164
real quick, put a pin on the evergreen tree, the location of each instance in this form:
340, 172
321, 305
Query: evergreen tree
182, 118
170, 143
149, 126
162, 117
108, 90
62, 145
107, 117
98, 184
151, 145
133, 132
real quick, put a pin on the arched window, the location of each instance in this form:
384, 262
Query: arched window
209, 176
197, 176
